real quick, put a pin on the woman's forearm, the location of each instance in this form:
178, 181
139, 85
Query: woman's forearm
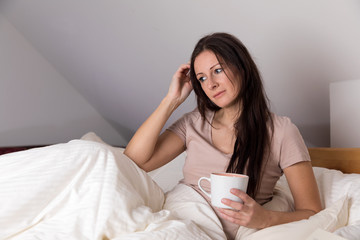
276, 218
142, 145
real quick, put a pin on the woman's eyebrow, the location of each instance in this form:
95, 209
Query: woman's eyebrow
214, 65
210, 68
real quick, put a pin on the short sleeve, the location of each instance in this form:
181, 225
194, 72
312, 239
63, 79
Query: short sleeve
179, 127
293, 149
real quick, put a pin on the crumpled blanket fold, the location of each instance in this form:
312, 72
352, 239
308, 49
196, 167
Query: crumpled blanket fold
83, 190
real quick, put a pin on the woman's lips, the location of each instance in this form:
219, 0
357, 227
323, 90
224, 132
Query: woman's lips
219, 94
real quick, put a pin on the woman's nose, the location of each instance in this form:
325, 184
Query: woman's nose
211, 83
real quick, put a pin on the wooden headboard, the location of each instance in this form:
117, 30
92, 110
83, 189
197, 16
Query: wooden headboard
346, 160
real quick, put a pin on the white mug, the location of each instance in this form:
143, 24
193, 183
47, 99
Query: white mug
221, 183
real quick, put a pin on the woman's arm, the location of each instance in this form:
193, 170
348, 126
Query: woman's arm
146, 148
306, 196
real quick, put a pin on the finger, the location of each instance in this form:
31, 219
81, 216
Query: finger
229, 212
184, 67
232, 216
184, 70
180, 74
241, 194
238, 206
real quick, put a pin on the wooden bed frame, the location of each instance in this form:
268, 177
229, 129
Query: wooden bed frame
346, 160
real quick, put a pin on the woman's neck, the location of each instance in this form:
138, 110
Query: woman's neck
226, 117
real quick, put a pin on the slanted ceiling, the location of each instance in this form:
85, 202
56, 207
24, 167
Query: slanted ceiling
120, 55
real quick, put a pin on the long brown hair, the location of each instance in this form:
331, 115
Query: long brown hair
254, 127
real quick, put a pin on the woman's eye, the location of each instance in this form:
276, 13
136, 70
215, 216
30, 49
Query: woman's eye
201, 79
218, 70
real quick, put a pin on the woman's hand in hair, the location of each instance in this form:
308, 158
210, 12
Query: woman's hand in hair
180, 86
249, 214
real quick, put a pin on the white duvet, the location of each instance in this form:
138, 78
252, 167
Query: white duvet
84, 190
88, 190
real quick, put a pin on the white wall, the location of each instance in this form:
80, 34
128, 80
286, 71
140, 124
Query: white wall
120, 55
345, 114
37, 105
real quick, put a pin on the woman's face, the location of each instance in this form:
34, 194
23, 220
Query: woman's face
215, 83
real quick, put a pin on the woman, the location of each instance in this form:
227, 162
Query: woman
231, 130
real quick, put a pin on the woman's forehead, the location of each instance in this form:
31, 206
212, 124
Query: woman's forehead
205, 61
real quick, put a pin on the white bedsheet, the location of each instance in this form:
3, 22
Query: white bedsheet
83, 190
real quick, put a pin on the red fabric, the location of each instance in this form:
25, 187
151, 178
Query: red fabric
5, 150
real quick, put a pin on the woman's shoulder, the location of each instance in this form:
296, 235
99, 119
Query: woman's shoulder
281, 121
284, 128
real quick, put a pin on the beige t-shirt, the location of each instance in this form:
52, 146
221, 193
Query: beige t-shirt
287, 148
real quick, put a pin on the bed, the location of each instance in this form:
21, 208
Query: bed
347, 160
76, 203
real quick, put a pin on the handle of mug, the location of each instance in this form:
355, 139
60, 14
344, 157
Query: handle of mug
199, 184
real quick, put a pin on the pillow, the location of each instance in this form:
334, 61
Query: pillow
329, 219
90, 136
166, 176
169, 175
333, 184
282, 200
351, 232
